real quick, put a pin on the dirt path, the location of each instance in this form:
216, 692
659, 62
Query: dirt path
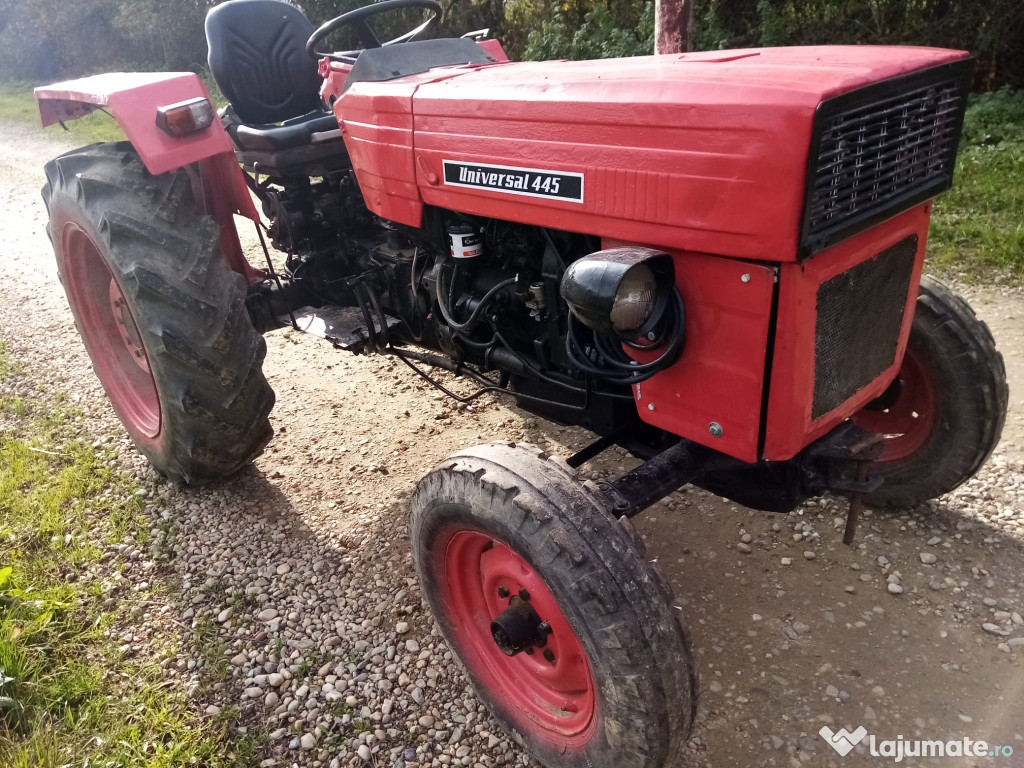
785, 649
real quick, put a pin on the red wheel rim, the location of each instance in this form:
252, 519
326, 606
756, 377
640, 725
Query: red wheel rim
908, 421
110, 333
553, 699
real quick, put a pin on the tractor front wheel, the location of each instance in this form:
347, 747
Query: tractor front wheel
566, 630
943, 415
161, 313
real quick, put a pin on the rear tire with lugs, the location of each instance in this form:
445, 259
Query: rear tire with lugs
161, 313
609, 680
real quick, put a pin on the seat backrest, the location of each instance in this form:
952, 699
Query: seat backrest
258, 58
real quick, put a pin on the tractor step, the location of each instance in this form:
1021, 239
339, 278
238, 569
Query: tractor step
344, 327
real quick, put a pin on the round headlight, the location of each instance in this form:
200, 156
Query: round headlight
634, 301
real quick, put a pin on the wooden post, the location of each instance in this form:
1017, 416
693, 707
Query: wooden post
672, 22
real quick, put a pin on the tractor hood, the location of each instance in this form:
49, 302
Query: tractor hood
700, 151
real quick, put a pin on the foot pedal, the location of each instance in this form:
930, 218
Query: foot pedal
344, 327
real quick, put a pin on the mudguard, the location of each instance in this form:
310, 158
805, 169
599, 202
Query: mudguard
132, 98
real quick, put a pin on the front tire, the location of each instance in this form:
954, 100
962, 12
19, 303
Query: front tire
944, 414
161, 313
613, 684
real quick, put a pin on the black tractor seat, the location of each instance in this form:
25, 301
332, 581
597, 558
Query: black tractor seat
275, 117
306, 145
302, 131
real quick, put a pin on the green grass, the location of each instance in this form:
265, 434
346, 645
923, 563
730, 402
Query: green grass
978, 227
18, 104
69, 695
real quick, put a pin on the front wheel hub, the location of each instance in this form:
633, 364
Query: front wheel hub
519, 628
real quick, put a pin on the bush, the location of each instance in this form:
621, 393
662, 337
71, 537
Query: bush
993, 30
597, 37
994, 118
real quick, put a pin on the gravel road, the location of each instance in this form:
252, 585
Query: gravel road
298, 569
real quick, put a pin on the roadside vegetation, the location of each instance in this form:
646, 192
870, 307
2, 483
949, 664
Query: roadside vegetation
81, 679
17, 104
978, 228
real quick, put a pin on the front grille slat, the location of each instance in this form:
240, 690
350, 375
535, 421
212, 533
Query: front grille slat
874, 178
858, 321
890, 166
924, 138
880, 150
880, 113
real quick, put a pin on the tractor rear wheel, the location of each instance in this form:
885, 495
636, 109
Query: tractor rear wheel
565, 628
943, 415
161, 313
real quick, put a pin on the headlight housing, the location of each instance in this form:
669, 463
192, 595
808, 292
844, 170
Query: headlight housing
620, 292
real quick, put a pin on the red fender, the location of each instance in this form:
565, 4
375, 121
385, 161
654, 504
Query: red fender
132, 99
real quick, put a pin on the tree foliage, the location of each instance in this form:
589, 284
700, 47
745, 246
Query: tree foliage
991, 29
47, 39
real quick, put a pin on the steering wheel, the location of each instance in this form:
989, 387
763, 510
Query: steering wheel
357, 19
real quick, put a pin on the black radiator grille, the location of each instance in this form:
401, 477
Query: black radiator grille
882, 149
859, 316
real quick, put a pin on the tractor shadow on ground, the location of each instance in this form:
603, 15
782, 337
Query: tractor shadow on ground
797, 635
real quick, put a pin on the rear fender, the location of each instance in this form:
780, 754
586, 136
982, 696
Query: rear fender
132, 99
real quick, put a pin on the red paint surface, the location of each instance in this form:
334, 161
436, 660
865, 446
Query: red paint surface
719, 377
554, 701
132, 99
109, 333
701, 151
494, 48
790, 426
907, 423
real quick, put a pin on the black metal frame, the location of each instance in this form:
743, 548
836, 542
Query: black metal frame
840, 462
961, 70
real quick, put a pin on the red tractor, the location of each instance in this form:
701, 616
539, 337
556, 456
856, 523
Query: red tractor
713, 260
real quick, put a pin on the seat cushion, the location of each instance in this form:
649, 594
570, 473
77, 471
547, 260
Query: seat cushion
295, 133
258, 58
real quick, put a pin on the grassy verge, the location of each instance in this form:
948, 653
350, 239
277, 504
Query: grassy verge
18, 104
80, 676
978, 227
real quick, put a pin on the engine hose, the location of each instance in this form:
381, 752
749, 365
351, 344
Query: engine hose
371, 342
375, 301
436, 361
613, 365
617, 358
474, 317
537, 373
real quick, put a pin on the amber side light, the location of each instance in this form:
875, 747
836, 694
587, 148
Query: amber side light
185, 117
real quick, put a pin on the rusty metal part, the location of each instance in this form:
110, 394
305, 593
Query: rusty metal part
519, 628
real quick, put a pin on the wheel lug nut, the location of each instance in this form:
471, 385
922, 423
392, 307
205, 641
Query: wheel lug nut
503, 591
549, 656
524, 594
544, 628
